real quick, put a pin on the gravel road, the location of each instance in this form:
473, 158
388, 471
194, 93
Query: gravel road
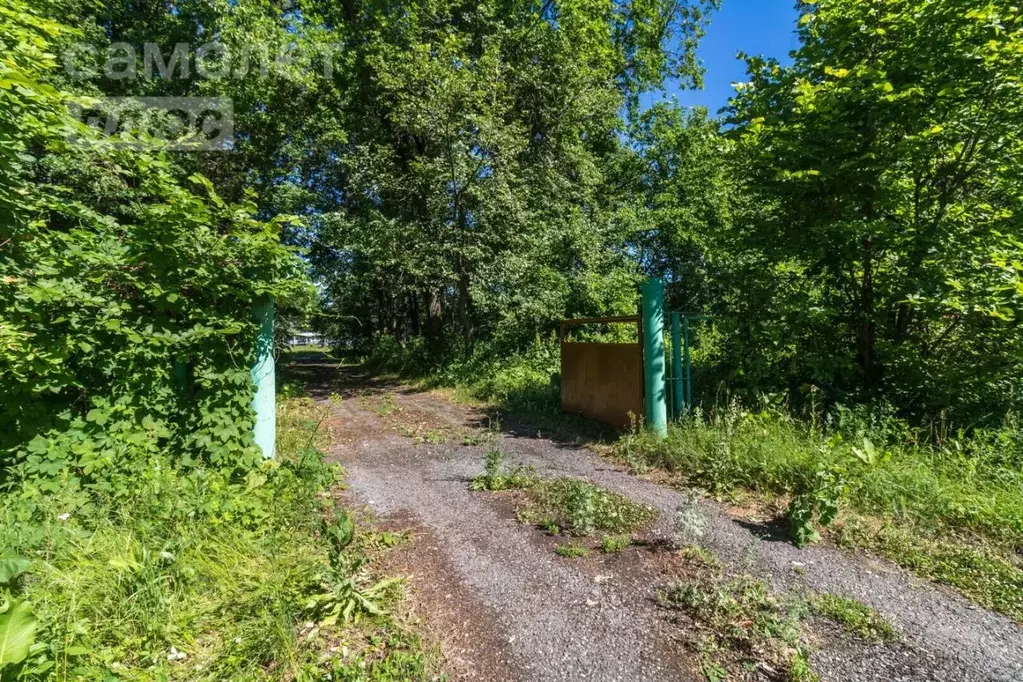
508, 608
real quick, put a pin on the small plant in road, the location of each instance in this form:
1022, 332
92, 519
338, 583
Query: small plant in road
690, 520
856, 618
496, 477
612, 544
571, 551
581, 508
736, 624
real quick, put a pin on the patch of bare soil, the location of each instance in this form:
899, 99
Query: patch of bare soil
444, 611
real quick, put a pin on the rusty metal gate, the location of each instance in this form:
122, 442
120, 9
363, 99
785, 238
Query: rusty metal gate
603, 381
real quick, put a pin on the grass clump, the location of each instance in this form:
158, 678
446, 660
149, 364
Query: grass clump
580, 508
855, 617
740, 630
571, 551
988, 575
496, 477
612, 544
956, 499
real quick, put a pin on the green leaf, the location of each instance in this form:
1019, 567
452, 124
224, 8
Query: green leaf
17, 633
12, 567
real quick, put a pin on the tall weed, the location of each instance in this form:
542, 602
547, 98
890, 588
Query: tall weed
201, 574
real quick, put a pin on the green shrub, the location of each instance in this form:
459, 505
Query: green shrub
126, 327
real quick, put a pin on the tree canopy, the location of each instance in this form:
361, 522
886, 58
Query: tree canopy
458, 176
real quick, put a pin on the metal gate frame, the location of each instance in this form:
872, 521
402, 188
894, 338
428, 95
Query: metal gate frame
655, 383
609, 401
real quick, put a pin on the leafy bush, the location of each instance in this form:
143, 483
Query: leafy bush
816, 505
194, 576
126, 295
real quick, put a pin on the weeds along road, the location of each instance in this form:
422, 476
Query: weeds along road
491, 592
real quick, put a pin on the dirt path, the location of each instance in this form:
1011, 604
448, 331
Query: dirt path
505, 607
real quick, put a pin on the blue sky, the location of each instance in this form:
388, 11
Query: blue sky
757, 27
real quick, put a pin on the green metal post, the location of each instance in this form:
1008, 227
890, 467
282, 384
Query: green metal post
676, 365
180, 375
653, 356
264, 403
688, 364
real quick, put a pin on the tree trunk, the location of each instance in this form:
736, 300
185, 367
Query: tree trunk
867, 333
435, 319
465, 311
413, 314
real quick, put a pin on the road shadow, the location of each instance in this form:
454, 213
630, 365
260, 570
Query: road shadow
775, 530
321, 375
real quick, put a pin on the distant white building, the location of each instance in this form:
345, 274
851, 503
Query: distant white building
306, 339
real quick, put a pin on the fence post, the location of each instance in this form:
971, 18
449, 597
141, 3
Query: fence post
689, 365
676, 365
653, 356
265, 401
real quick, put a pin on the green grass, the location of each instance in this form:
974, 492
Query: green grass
497, 477
959, 484
202, 576
855, 617
612, 544
735, 624
950, 509
986, 574
571, 551
581, 509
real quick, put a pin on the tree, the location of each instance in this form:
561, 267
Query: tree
474, 185
115, 270
884, 163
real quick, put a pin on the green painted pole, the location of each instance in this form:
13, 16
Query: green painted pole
180, 375
676, 364
688, 364
653, 356
265, 402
